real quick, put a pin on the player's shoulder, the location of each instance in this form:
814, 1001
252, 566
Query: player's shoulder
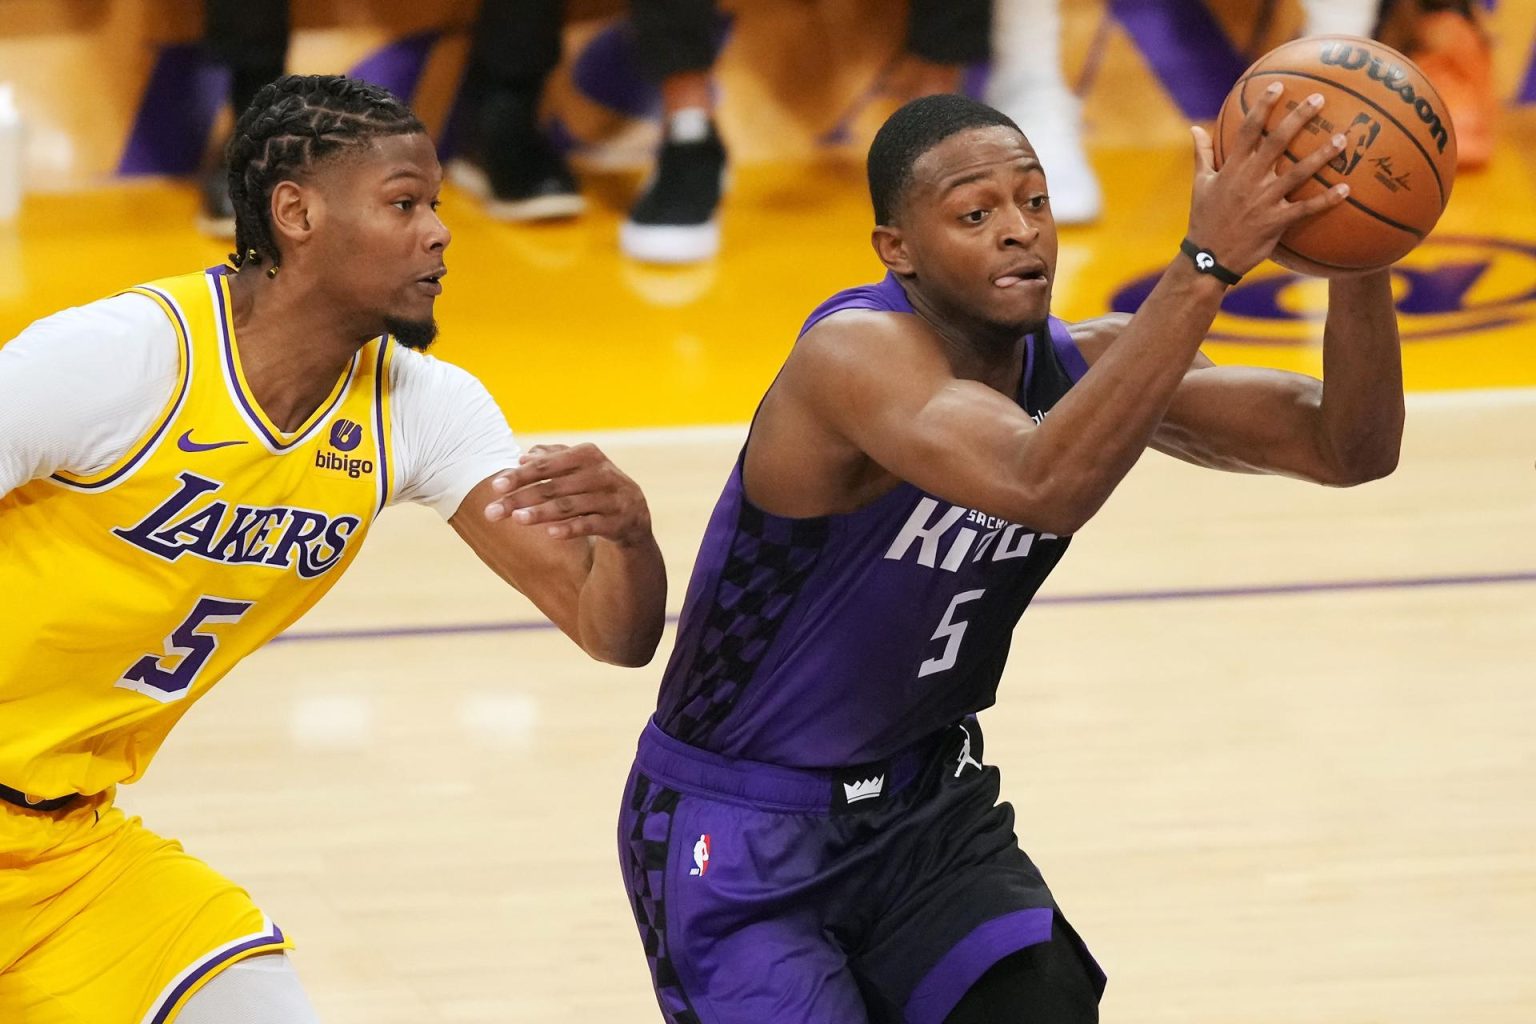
116, 317
127, 327
1093, 336
869, 340
417, 372
432, 395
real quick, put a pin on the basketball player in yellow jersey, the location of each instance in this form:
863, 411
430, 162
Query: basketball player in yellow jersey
213, 461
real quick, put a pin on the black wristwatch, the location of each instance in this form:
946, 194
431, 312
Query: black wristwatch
1205, 263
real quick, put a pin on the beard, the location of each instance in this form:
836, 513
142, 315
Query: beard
1032, 326
413, 334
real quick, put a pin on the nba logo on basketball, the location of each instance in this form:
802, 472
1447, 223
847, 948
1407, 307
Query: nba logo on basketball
700, 856
345, 435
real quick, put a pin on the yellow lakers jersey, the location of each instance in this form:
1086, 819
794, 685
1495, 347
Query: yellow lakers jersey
130, 592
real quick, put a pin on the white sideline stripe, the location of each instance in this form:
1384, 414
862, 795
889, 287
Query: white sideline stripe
1472, 398
711, 433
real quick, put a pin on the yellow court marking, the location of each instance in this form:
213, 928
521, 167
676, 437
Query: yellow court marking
569, 335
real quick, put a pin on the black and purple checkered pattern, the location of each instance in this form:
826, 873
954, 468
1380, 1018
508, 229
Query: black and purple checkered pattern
645, 866
769, 561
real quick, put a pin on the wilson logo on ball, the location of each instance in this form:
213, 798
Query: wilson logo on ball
1399, 166
1395, 79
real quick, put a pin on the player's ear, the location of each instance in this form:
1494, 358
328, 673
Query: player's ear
891, 246
292, 210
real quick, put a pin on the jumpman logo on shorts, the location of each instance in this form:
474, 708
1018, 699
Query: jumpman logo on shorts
965, 754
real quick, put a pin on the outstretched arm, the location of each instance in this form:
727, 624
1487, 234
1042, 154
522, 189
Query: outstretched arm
875, 384
1342, 430
572, 532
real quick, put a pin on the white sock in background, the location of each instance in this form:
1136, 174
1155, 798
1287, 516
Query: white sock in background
1339, 17
691, 124
1026, 84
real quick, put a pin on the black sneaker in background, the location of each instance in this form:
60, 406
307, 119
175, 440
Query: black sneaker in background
676, 219
216, 214
511, 167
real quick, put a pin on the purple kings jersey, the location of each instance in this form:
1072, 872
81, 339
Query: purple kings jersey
838, 640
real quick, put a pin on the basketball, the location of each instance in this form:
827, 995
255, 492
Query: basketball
1399, 160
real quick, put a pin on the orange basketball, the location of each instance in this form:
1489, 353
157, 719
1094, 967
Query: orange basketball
1399, 161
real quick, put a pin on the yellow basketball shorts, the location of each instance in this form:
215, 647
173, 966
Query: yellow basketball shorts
103, 921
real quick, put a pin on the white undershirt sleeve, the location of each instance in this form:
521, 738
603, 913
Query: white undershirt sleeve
80, 387
448, 432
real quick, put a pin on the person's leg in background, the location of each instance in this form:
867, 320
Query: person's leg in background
943, 38
1027, 84
1046, 983
1339, 17
506, 159
251, 39
676, 218
1446, 40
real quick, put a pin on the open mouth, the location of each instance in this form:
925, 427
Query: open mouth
1020, 276
433, 283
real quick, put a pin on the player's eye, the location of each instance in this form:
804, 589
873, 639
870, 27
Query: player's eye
405, 205
1038, 202
975, 216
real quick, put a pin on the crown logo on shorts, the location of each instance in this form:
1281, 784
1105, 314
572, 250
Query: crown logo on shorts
863, 789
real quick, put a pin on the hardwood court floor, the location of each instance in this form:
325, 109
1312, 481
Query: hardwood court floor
1270, 743
1299, 803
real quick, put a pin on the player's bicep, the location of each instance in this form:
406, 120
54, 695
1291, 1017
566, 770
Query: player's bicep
894, 397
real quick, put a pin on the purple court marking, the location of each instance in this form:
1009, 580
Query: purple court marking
1105, 597
1425, 291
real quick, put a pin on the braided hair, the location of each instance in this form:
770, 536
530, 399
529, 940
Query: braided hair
291, 125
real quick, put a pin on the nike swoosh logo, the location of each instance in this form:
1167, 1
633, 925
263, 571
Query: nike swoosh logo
186, 444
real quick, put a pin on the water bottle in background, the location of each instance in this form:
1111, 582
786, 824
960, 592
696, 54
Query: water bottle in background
10, 155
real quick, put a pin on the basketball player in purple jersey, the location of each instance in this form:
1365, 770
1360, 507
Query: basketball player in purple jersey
809, 833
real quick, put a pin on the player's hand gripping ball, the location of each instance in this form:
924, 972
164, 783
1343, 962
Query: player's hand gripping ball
1399, 161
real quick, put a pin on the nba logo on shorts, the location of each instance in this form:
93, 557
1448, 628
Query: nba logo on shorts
345, 435
700, 856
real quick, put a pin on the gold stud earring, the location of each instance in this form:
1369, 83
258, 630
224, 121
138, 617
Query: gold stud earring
272, 272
